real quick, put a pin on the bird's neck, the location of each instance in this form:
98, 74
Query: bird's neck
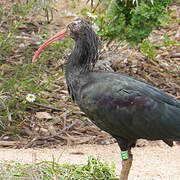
80, 61
82, 58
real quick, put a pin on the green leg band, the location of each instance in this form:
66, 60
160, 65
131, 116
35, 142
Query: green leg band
124, 155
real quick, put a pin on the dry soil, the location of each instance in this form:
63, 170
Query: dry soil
151, 162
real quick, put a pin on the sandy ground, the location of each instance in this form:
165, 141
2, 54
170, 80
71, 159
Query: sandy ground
150, 162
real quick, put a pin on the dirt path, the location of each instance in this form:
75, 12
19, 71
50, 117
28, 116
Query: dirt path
155, 162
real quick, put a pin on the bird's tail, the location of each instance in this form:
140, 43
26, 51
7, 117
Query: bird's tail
172, 123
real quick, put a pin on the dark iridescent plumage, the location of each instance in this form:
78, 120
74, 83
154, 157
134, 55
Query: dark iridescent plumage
126, 108
130, 109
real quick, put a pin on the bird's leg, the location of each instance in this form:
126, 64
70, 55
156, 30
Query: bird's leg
127, 159
126, 156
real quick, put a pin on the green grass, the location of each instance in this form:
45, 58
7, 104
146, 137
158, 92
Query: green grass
149, 49
18, 76
47, 170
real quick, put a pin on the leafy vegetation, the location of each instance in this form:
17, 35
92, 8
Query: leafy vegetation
130, 21
47, 170
150, 50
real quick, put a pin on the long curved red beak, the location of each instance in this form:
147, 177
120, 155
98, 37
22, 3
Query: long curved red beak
52, 39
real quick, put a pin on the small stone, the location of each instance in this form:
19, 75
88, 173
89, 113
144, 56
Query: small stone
43, 115
22, 45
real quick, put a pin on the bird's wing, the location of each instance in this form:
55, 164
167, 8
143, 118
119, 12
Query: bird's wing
127, 107
142, 87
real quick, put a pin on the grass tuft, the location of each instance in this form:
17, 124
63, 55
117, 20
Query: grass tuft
48, 170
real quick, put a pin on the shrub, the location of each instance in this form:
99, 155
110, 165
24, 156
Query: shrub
130, 21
